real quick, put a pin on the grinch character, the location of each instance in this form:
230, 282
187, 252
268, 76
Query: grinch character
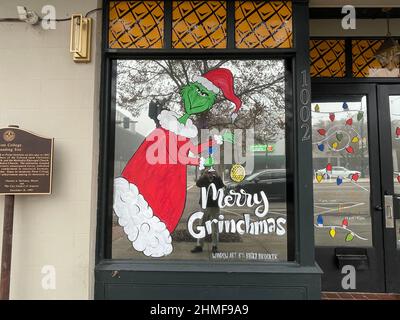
150, 195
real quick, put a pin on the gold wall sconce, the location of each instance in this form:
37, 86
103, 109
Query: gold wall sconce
81, 35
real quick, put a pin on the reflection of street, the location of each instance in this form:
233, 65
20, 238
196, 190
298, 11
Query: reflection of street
351, 201
229, 243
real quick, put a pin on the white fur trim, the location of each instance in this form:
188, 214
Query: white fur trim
191, 155
146, 231
207, 83
218, 139
202, 162
169, 121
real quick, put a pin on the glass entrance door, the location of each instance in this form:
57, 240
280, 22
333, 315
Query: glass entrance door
347, 188
389, 127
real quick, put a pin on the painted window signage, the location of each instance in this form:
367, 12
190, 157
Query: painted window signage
341, 173
245, 225
188, 184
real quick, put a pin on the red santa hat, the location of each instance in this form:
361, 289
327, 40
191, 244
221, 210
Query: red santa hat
221, 79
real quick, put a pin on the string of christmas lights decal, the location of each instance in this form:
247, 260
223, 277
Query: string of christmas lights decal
335, 136
339, 138
209, 162
350, 234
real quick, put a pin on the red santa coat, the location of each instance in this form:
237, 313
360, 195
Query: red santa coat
150, 195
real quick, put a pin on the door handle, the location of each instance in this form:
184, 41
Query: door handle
389, 216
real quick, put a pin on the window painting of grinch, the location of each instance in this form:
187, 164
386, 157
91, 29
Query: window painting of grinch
149, 197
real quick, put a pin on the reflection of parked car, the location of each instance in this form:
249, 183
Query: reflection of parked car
271, 181
339, 172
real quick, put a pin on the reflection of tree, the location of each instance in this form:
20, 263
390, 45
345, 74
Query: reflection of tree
259, 84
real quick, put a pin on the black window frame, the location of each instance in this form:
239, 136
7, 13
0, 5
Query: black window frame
300, 230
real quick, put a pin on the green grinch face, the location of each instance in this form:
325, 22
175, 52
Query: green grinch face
197, 98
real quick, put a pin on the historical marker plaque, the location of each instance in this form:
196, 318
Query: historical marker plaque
26, 162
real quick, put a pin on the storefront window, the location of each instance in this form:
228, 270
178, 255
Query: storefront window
223, 201
342, 214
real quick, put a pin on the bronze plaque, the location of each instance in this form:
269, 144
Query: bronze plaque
26, 162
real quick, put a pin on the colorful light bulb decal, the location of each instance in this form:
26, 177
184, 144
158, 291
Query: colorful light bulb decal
349, 237
398, 132
355, 140
345, 223
350, 149
355, 177
317, 108
332, 116
321, 147
332, 232
398, 178
322, 132
319, 177
360, 115
345, 106
339, 181
335, 145
329, 167
320, 221
349, 122
238, 173
339, 136
210, 160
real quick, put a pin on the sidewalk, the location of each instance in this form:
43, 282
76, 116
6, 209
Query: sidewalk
359, 296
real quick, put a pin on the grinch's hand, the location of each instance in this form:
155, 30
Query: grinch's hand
228, 137
201, 164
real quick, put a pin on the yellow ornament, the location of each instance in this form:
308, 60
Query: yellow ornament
355, 140
332, 233
335, 145
238, 173
319, 177
317, 108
